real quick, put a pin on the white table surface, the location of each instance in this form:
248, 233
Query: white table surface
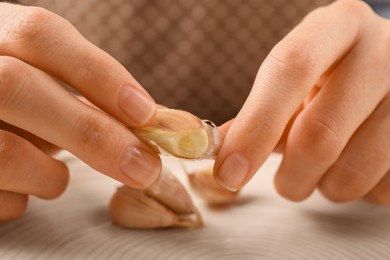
76, 226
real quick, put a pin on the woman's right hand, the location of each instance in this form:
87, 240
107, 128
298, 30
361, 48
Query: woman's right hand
38, 49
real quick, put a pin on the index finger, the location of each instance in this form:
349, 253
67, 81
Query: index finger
50, 43
287, 75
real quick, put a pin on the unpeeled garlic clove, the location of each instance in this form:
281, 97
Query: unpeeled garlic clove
181, 134
165, 204
132, 208
171, 193
204, 185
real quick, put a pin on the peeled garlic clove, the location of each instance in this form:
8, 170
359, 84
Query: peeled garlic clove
204, 185
171, 193
132, 208
180, 134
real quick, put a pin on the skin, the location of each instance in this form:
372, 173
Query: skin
321, 98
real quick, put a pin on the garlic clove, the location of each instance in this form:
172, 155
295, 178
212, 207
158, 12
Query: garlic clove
180, 134
169, 191
132, 208
204, 185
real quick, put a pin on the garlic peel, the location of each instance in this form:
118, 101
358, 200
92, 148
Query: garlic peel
165, 204
132, 208
170, 192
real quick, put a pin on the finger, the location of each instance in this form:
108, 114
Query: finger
52, 44
322, 130
363, 162
280, 146
224, 128
380, 194
52, 113
41, 144
26, 169
284, 79
12, 205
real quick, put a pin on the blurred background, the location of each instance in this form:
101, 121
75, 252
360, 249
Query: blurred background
382, 7
197, 55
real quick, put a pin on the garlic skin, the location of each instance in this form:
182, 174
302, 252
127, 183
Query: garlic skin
165, 204
204, 185
181, 134
170, 192
133, 209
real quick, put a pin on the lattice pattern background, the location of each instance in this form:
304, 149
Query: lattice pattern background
197, 55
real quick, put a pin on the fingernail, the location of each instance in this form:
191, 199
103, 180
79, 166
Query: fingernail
138, 106
141, 166
233, 172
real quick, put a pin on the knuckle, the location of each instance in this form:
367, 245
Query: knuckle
92, 133
357, 8
295, 58
317, 139
32, 23
87, 68
346, 184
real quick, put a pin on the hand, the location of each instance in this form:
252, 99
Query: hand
324, 92
37, 49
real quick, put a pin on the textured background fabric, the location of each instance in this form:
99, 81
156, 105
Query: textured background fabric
197, 55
